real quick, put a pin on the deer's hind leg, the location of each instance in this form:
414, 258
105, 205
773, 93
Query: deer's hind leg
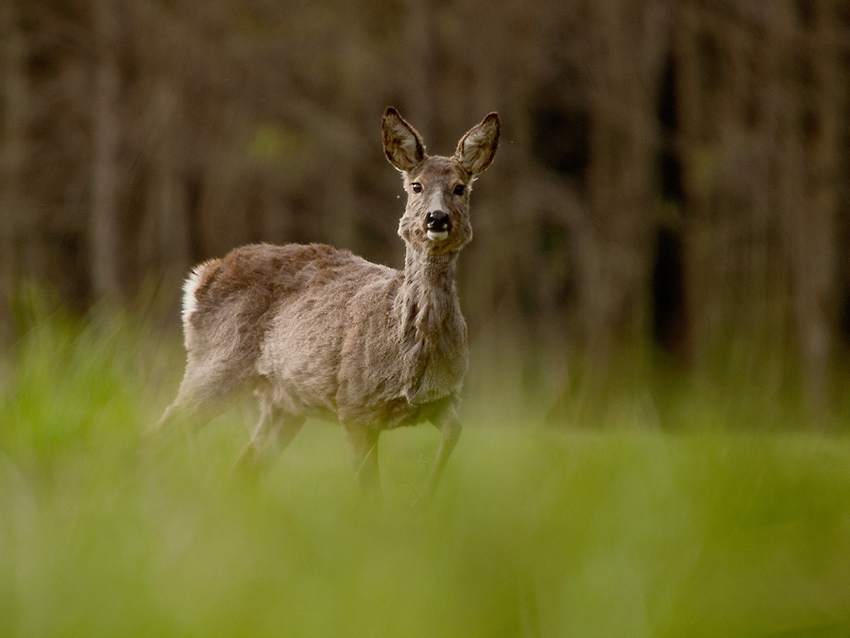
204, 390
272, 436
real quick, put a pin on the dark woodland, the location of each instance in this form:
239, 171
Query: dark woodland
672, 189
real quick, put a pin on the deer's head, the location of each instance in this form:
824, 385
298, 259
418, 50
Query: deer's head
436, 218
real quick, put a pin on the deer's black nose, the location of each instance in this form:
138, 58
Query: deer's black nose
437, 221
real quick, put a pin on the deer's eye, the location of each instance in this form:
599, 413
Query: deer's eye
459, 190
417, 187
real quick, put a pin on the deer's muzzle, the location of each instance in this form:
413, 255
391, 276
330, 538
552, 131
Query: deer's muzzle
437, 225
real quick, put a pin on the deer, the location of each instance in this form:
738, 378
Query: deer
315, 331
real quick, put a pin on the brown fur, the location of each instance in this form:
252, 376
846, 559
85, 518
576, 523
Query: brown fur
316, 331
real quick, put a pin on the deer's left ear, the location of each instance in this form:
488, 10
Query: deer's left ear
477, 148
403, 146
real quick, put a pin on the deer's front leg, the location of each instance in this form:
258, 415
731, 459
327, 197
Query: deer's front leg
363, 446
450, 427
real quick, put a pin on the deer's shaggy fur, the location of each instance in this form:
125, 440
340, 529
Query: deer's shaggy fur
316, 331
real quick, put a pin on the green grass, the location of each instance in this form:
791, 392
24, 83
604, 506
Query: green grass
535, 531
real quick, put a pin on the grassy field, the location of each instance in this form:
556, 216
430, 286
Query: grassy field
535, 532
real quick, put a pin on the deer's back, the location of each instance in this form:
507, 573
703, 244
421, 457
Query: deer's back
265, 276
285, 319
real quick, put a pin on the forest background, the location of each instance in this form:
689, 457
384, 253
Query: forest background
671, 195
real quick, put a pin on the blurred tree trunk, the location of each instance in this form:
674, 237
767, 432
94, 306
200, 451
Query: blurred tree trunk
709, 78
760, 119
418, 61
629, 45
808, 164
14, 97
728, 83
166, 194
104, 227
340, 201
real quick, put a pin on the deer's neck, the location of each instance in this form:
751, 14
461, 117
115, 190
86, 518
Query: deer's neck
432, 329
432, 332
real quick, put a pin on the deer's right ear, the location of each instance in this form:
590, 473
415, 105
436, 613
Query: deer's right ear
402, 144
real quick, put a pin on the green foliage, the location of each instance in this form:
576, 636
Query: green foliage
535, 532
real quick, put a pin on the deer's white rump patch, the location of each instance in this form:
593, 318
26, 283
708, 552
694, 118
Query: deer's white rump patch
190, 287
